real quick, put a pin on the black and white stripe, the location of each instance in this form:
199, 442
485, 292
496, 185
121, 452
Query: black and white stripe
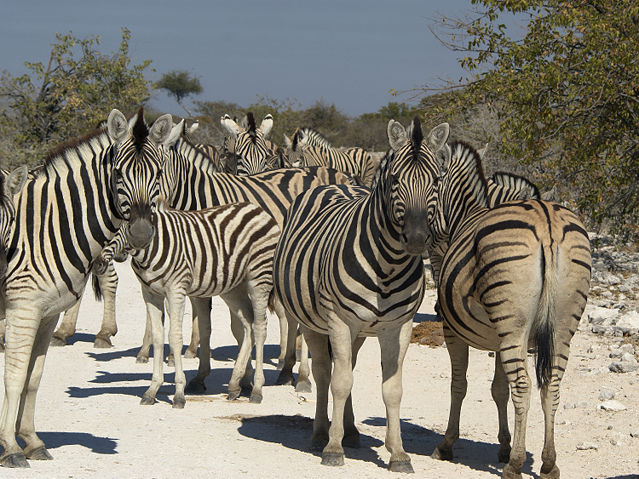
348, 265
64, 216
513, 277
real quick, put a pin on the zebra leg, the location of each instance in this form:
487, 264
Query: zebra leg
67, 325
321, 364
283, 340
259, 299
175, 300
20, 335
393, 344
202, 312
143, 353
154, 313
25, 424
2, 329
241, 320
351, 434
286, 374
303, 384
458, 353
191, 350
341, 337
500, 393
108, 285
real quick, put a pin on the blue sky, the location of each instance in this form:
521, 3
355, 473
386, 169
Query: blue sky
350, 53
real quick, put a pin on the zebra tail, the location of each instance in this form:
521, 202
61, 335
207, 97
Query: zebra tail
96, 287
271, 301
544, 325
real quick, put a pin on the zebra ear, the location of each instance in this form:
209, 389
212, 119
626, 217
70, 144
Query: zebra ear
190, 130
16, 179
266, 125
437, 137
174, 135
443, 156
482, 152
287, 142
117, 126
396, 135
161, 129
230, 126
244, 122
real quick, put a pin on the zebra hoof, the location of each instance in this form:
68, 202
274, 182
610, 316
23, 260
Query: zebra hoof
39, 454
333, 459
401, 466
303, 386
170, 362
195, 386
141, 359
233, 395
256, 398
56, 341
179, 403
442, 454
147, 401
510, 473
285, 379
16, 459
552, 474
190, 353
102, 343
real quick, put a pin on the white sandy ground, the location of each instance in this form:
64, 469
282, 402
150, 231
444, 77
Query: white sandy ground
89, 416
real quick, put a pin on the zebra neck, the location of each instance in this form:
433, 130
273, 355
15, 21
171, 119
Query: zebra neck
383, 234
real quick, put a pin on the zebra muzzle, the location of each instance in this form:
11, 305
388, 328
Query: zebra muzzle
140, 232
415, 231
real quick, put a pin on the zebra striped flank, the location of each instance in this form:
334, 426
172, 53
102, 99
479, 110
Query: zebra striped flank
64, 215
348, 265
513, 277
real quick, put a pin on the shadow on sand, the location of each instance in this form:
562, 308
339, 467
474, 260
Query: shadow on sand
99, 445
423, 317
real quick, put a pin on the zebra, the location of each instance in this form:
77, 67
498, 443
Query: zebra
64, 216
227, 251
247, 148
355, 161
348, 265
309, 136
188, 186
513, 277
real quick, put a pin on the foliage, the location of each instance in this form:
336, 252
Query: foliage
566, 95
179, 84
70, 95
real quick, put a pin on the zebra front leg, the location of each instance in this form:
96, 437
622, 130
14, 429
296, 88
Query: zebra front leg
321, 364
202, 312
500, 393
34, 446
21, 329
341, 339
458, 353
108, 286
393, 344
175, 299
303, 383
241, 311
351, 434
143, 353
67, 325
235, 303
191, 350
154, 313
286, 374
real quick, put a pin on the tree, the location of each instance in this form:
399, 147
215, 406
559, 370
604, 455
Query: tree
180, 84
566, 94
71, 94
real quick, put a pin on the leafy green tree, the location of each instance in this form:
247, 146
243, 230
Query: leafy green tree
180, 84
566, 94
67, 96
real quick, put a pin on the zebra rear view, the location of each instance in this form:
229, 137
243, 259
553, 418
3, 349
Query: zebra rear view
513, 278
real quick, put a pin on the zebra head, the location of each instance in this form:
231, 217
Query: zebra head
247, 146
10, 185
408, 175
135, 171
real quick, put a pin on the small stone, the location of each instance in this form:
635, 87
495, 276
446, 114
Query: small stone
601, 316
628, 358
570, 405
590, 349
627, 348
616, 442
606, 393
584, 446
491, 354
610, 428
634, 433
612, 405
623, 366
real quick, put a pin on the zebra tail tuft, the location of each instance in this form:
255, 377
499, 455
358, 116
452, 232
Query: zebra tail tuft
96, 287
544, 325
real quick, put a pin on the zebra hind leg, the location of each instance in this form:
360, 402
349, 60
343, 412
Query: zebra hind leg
259, 299
286, 374
202, 313
191, 350
108, 283
303, 383
176, 299
351, 434
143, 353
67, 325
154, 313
321, 364
458, 353
500, 393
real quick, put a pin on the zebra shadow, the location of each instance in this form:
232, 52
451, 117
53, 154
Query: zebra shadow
423, 317
294, 432
476, 455
80, 338
97, 444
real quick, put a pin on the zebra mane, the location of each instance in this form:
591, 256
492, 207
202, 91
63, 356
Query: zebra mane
463, 150
140, 131
308, 131
60, 149
251, 129
416, 137
296, 139
504, 178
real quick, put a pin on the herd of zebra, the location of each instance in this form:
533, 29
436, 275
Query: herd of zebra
328, 238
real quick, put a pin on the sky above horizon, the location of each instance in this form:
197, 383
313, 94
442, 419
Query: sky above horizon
347, 53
